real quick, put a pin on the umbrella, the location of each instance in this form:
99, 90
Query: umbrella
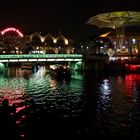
115, 19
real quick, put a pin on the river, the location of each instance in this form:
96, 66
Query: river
90, 105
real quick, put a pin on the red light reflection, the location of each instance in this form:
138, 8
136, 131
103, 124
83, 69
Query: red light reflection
130, 81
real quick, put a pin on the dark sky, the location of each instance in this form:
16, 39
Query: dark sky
69, 17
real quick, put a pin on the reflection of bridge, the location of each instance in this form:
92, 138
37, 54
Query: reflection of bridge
40, 57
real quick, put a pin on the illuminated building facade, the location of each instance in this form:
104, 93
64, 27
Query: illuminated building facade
124, 43
12, 41
130, 44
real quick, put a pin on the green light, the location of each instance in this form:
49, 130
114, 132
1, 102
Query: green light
49, 57
2, 67
11, 56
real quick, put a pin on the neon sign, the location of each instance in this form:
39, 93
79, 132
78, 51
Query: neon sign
11, 29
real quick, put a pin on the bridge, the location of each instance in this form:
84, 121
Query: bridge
40, 57
75, 61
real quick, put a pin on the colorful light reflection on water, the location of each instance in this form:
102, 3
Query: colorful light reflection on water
90, 104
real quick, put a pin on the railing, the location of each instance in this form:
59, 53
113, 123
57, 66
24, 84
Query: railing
40, 57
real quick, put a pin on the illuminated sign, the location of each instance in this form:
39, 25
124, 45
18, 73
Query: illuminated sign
11, 29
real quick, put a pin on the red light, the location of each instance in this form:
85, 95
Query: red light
11, 29
133, 67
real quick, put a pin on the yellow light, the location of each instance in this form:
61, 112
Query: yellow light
77, 59
50, 60
54, 40
59, 59
32, 60
42, 39
3, 60
13, 60
22, 60
105, 34
41, 59
53, 67
66, 42
68, 59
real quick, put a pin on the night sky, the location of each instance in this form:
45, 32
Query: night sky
67, 17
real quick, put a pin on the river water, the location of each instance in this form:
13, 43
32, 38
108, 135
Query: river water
90, 105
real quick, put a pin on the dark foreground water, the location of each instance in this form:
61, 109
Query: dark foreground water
90, 105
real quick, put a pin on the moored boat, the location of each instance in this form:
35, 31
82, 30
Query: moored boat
60, 72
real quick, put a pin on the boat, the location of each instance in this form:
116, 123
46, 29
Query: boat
60, 72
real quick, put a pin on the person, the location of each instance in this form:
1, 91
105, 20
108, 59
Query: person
5, 108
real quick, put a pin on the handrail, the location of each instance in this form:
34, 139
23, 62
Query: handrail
39, 56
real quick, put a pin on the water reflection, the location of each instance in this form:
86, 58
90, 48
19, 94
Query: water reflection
132, 84
91, 104
112, 105
105, 94
11, 89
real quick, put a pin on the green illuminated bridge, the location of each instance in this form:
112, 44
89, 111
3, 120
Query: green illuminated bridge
40, 57
75, 61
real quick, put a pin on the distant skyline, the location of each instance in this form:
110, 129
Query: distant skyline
68, 17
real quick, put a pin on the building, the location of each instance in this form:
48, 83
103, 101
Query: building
12, 41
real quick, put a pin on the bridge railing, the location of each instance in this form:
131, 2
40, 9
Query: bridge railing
36, 56
40, 57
